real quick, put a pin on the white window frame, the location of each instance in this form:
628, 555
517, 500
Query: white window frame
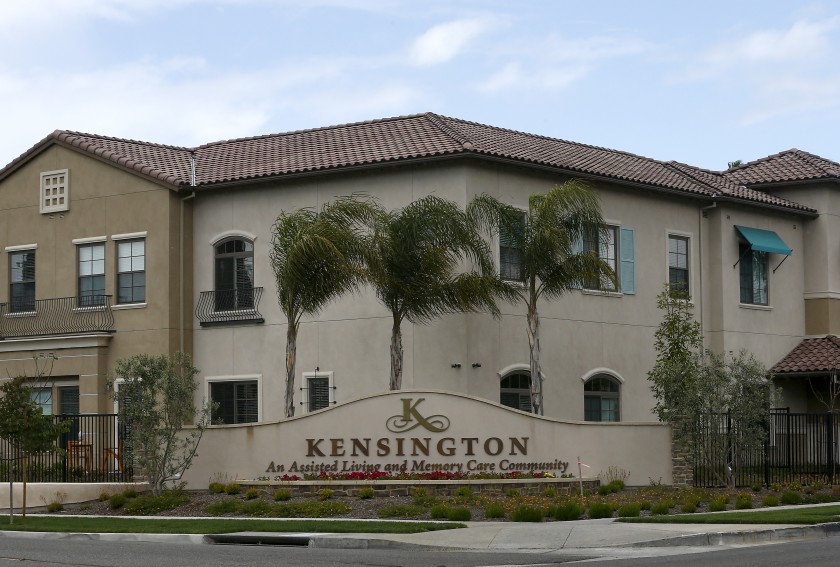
330, 375
690, 237
59, 199
237, 378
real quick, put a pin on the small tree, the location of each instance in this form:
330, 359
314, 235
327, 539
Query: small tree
24, 426
155, 402
718, 407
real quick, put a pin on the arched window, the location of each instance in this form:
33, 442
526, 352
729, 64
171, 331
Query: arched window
515, 391
234, 263
601, 398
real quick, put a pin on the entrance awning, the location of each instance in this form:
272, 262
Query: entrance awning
764, 240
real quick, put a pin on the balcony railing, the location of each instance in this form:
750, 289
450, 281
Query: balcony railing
60, 316
229, 307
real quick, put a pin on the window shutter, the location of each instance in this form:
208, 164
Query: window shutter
577, 248
627, 250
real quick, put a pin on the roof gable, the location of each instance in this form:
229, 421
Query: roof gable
789, 166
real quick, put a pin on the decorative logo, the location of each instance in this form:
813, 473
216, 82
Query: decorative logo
411, 419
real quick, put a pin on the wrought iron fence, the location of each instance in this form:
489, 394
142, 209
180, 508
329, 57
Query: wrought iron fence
60, 316
229, 306
800, 447
96, 448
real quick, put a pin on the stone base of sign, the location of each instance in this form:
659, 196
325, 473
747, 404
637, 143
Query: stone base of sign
386, 488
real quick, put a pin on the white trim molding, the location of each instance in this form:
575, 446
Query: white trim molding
130, 235
237, 378
228, 233
21, 247
89, 239
518, 367
601, 370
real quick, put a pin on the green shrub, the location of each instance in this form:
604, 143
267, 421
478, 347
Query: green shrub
718, 503
776, 487
604, 489
253, 508
84, 507
130, 493
439, 511
645, 504
325, 493
629, 511
756, 486
103, 496
366, 493
309, 509
149, 504
743, 501
526, 513
464, 491
117, 501
232, 488
512, 492
569, 510
770, 500
494, 510
227, 506
791, 497
54, 507
616, 485
459, 514
252, 493
660, 508
395, 510
600, 510
282, 494
216, 487
550, 492
688, 507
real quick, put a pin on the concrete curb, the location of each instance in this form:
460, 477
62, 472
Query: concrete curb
748, 537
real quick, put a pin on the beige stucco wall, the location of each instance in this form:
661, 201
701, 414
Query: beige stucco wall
253, 452
581, 333
104, 201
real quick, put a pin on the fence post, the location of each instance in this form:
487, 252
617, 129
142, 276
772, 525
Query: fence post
829, 422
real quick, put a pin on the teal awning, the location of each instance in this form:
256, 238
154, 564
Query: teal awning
764, 240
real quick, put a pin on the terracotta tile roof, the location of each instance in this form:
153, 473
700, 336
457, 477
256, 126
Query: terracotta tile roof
791, 165
811, 356
400, 139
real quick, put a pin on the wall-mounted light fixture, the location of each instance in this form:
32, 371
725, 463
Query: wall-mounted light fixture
476, 365
456, 365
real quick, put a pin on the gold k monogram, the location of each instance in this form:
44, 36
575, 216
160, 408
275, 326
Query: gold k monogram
412, 418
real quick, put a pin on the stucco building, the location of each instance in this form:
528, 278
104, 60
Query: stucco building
756, 247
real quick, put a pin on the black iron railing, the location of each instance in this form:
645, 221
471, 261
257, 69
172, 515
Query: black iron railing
800, 447
60, 316
96, 448
230, 306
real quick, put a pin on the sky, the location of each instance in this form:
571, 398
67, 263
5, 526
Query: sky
704, 83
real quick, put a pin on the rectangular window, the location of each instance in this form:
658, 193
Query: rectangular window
753, 275
92, 274
131, 271
55, 191
22, 288
318, 390
678, 264
42, 397
510, 251
604, 244
235, 401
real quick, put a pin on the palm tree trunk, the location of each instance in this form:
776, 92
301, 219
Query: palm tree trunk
396, 356
291, 360
536, 374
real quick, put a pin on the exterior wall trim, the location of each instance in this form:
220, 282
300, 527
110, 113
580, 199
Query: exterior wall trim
89, 239
40, 343
19, 247
228, 233
602, 370
130, 235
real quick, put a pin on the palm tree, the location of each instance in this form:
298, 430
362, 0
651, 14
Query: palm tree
413, 260
547, 258
316, 257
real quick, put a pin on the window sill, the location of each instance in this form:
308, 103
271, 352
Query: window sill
602, 293
755, 306
89, 309
122, 306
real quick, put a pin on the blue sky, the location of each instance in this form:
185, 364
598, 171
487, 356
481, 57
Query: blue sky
699, 82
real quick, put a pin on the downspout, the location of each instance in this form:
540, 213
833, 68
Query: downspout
700, 269
181, 254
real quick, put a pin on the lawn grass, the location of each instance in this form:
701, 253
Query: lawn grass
217, 525
801, 515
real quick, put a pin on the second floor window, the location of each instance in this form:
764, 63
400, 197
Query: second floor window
234, 274
510, 253
604, 244
22, 288
91, 274
131, 271
678, 264
753, 272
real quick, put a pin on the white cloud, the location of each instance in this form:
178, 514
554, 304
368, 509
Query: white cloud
550, 78
791, 95
802, 41
443, 42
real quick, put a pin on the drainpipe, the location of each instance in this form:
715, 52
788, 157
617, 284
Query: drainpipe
700, 247
181, 254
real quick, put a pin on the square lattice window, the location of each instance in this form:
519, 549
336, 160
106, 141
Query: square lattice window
55, 191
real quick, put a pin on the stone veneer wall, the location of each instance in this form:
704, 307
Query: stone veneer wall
682, 469
386, 488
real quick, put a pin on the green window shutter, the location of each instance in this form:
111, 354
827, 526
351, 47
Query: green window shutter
627, 251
